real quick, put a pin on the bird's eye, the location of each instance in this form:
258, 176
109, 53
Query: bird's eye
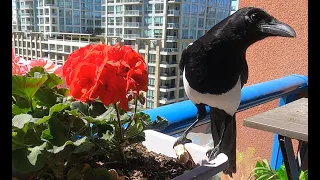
254, 17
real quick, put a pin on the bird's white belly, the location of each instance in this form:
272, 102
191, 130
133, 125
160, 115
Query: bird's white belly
229, 101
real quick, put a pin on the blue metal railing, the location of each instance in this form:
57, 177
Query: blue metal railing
180, 115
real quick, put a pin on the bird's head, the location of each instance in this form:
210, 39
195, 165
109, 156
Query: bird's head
255, 24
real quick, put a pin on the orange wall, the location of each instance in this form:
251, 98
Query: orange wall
269, 59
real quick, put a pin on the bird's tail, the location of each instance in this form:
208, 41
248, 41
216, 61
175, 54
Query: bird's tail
228, 143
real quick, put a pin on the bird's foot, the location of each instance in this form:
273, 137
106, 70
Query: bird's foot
213, 153
182, 140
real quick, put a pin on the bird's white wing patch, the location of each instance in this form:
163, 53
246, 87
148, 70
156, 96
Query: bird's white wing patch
229, 101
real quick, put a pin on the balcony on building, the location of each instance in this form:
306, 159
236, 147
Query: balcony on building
167, 97
174, 1
132, 12
173, 12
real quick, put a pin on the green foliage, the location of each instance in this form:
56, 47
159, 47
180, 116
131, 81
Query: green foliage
263, 171
52, 135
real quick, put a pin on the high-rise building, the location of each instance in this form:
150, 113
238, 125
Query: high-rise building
47, 16
175, 23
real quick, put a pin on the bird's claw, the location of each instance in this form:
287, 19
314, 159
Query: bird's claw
182, 140
213, 153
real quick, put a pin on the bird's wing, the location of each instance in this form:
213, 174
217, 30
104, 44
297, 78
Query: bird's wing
244, 74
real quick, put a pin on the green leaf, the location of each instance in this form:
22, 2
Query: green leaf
84, 147
58, 130
18, 139
35, 151
159, 124
303, 175
21, 163
17, 110
46, 97
96, 109
36, 70
134, 129
46, 134
109, 115
53, 81
81, 107
20, 120
282, 173
57, 149
26, 87
56, 108
63, 91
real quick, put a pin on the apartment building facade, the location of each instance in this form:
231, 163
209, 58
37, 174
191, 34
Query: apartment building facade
49, 16
169, 25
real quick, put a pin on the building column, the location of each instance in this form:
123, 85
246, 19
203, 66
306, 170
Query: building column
40, 46
178, 71
157, 75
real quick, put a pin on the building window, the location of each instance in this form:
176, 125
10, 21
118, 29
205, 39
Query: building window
181, 93
185, 22
150, 82
184, 34
186, 9
151, 71
150, 94
200, 22
193, 23
149, 104
76, 4
158, 8
194, 9
148, 9
158, 33
200, 33
158, 21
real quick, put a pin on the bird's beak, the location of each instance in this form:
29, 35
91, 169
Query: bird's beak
277, 28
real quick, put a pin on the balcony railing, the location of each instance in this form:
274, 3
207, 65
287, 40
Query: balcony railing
288, 89
131, 1
26, 7
166, 74
169, 49
173, 12
26, 14
131, 24
172, 38
173, 25
132, 12
131, 36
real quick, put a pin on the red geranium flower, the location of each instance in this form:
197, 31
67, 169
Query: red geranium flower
105, 72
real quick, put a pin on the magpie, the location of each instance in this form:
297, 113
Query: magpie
215, 70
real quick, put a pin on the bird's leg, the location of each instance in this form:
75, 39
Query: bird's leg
200, 115
213, 152
183, 138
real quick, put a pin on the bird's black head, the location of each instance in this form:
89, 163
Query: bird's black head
254, 24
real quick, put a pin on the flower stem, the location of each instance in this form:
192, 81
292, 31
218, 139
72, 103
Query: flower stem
119, 122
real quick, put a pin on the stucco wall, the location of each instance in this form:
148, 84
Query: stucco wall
270, 59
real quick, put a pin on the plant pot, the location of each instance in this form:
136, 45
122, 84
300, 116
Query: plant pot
163, 144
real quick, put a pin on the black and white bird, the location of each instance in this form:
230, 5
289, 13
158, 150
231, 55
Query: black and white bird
215, 70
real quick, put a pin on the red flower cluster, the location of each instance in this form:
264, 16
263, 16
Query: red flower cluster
105, 72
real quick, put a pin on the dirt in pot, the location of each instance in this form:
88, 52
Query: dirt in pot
146, 165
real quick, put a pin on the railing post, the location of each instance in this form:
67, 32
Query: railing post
276, 156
